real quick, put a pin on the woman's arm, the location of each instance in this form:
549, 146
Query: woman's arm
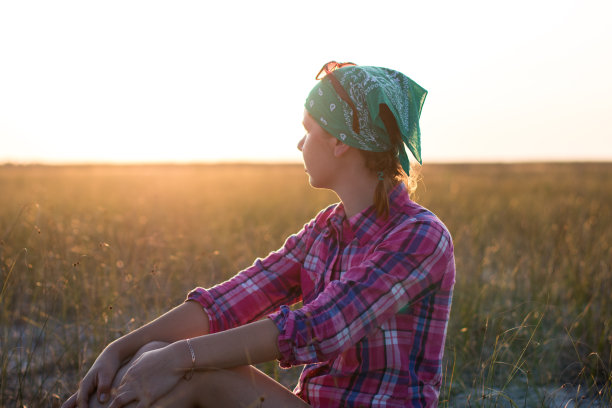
184, 321
243, 299
252, 343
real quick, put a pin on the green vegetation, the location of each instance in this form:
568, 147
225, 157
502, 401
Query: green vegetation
88, 253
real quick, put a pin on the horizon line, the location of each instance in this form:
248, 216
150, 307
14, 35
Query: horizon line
9, 163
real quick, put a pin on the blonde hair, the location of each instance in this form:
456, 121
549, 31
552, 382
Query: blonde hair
387, 167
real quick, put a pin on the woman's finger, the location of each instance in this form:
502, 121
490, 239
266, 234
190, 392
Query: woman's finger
104, 385
85, 390
122, 399
70, 402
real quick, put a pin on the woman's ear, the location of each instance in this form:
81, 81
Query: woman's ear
340, 148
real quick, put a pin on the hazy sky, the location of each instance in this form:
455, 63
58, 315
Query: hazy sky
197, 80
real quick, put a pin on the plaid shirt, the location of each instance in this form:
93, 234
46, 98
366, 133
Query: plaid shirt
376, 301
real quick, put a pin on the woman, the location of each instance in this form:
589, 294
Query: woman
375, 274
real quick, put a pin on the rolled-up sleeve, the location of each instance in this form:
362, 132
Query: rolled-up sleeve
257, 290
410, 263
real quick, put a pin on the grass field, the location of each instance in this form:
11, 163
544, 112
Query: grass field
88, 253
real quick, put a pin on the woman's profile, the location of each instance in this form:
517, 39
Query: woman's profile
374, 272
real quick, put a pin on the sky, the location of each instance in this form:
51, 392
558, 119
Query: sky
192, 81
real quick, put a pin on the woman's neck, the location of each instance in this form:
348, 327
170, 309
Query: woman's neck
356, 191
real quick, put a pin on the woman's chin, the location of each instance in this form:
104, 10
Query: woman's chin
314, 183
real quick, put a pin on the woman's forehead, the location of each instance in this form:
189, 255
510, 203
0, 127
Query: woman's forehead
308, 120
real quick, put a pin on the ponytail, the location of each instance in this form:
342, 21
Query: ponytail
387, 167
381, 197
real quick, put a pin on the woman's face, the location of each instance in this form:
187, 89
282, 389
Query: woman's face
317, 147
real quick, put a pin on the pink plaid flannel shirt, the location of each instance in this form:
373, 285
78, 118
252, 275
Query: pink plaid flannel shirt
376, 299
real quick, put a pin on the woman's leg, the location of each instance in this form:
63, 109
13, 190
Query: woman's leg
237, 387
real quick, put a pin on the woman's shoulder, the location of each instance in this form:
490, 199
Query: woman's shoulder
405, 211
414, 217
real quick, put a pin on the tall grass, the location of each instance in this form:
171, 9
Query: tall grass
88, 253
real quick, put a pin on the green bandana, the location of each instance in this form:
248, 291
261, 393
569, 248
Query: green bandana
368, 87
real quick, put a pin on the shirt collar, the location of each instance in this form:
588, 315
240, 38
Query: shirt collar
336, 218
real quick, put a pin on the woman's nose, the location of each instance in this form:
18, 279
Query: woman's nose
301, 143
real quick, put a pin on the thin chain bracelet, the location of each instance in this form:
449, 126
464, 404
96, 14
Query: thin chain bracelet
189, 373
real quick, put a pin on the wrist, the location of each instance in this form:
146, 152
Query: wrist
183, 354
125, 347
118, 349
189, 373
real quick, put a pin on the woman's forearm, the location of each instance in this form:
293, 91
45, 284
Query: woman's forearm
184, 321
248, 344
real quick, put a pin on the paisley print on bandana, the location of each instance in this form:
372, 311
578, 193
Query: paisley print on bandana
368, 87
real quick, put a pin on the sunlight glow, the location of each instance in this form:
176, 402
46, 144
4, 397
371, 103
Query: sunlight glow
188, 82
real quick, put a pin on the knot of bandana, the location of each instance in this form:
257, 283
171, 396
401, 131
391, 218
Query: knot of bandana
346, 103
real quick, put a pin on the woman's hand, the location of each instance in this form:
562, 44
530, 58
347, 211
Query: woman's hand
99, 378
151, 376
